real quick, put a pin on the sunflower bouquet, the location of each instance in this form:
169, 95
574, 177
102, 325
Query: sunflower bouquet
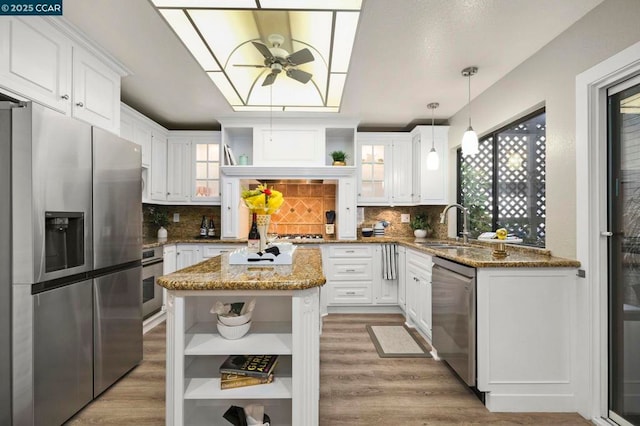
262, 200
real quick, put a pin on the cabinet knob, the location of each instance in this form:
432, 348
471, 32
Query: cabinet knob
65, 97
80, 104
228, 207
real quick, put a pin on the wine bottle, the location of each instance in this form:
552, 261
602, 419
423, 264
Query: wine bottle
203, 227
253, 240
211, 230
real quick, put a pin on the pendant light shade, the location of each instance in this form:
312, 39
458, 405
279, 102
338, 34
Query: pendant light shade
433, 160
470, 138
469, 142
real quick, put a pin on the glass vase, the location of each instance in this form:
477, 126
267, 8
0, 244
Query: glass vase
263, 225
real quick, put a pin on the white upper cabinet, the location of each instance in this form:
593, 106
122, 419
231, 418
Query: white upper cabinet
96, 92
36, 62
59, 69
178, 169
193, 167
384, 168
433, 183
158, 167
287, 145
206, 168
139, 129
288, 142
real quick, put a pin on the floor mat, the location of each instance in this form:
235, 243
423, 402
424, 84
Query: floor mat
396, 341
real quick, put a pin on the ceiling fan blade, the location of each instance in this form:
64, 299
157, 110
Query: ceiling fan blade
263, 49
249, 66
269, 79
300, 57
301, 76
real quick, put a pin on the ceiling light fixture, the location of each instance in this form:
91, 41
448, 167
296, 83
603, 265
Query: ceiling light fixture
470, 138
433, 161
224, 36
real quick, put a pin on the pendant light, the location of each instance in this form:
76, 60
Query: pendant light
433, 161
470, 138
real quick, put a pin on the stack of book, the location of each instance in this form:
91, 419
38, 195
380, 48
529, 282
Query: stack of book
247, 370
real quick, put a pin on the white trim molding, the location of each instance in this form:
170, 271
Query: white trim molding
591, 220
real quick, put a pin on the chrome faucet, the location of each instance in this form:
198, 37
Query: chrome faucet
465, 220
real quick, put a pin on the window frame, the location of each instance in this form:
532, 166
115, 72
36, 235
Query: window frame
495, 211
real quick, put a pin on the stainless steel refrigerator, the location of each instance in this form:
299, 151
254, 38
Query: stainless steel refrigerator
59, 323
117, 253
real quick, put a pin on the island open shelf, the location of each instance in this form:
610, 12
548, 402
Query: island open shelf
285, 322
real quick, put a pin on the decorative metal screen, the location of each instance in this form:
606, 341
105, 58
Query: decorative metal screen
504, 184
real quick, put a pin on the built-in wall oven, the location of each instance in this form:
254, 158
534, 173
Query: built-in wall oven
151, 270
454, 316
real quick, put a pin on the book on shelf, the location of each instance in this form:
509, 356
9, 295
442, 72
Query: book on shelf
249, 365
231, 158
230, 381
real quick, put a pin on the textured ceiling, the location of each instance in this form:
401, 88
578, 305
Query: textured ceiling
407, 54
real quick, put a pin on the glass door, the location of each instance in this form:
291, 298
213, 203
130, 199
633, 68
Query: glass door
624, 252
373, 172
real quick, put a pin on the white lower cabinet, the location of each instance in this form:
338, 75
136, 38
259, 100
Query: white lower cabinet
212, 250
402, 278
284, 323
187, 255
418, 290
190, 254
526, 339
169, 258
354, 276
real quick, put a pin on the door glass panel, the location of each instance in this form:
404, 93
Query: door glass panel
214, 152
201, 152
213, 170
201, 170
624, 254
378, 172
378, 153
366, 172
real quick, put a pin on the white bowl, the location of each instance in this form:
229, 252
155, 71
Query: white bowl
233, 332
237, 320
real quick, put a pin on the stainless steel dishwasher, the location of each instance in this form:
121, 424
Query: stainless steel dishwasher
454, 316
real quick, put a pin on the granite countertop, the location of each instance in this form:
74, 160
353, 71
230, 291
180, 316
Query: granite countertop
217, 274
477, 254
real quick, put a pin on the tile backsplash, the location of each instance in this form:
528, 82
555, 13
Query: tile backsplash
303, 212
398, 229
190, 219
304, 207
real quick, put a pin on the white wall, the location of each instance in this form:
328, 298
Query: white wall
548, 78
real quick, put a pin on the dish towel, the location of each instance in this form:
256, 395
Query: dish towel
389, 262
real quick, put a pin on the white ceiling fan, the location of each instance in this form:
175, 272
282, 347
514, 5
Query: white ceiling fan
277, 60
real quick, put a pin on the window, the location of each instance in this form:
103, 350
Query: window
503, 186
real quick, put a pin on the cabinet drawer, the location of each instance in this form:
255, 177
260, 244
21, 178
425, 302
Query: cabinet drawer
350, 269
421, 260
211, 250
347, 250
351, 293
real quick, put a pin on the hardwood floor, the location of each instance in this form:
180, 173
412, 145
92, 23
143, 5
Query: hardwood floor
138, 398
359, 388
356, 387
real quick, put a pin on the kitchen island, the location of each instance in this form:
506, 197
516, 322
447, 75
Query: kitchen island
285, 322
